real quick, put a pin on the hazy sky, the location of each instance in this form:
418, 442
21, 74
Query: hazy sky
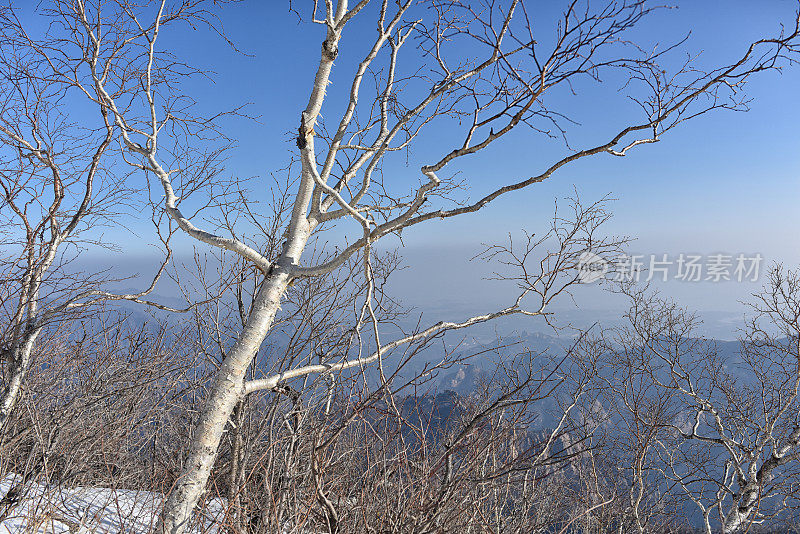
724, 183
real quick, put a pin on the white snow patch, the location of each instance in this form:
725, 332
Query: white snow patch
42, 509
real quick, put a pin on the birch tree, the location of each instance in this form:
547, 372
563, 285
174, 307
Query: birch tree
481, 69
726, 433
58, 182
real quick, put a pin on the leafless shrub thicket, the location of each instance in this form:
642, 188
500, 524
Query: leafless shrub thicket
629, 447
104, 403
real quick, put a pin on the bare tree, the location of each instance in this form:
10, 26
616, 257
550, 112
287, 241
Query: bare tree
632, 415
482, 69
59, 185
293, 456
720, 428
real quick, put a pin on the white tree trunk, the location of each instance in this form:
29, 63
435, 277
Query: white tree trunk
739, 515
18, 369
228, 385
226, 391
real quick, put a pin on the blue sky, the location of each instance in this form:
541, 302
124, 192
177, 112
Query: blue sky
726, 182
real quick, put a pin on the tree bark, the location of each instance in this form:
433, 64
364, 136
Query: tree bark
226, 392
228, 387
20, 361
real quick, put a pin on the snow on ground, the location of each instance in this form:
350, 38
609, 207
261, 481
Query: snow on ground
44, 509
